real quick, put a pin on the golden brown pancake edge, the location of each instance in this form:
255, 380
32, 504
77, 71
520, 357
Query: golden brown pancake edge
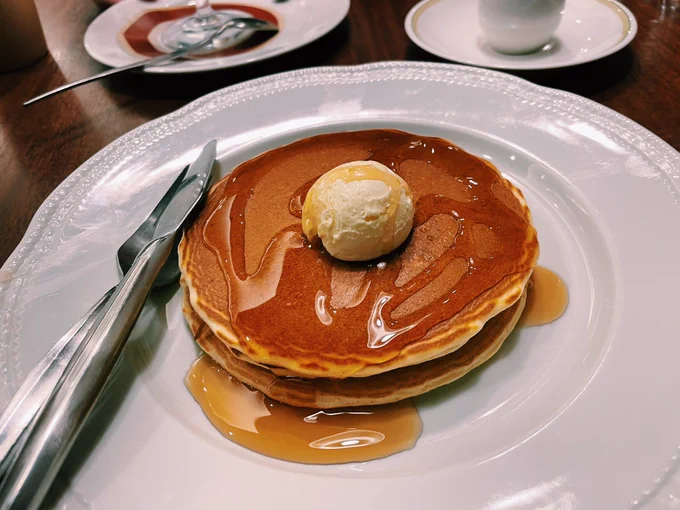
445, 338
379, 389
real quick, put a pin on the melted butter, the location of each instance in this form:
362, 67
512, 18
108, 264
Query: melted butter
310, 436
363, 171
547, 298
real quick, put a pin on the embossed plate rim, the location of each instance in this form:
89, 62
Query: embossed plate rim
146, 147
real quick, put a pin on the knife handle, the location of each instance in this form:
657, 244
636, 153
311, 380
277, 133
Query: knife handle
40, 383
58, 423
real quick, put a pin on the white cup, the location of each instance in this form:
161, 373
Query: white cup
519, 26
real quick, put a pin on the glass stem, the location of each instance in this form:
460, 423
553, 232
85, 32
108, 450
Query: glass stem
203, 8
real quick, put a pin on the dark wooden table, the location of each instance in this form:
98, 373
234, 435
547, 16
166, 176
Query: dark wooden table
42, 145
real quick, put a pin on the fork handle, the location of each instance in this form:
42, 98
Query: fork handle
161, 59
58, 423
110, 72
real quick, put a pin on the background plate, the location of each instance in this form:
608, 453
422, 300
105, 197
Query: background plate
300, 22
578, 414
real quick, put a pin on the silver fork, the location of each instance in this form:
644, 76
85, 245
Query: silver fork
255, 24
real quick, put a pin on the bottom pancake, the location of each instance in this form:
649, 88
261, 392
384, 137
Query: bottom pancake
384, 388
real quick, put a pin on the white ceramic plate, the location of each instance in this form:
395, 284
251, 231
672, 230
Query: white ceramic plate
300, 22
580, 414
589, 30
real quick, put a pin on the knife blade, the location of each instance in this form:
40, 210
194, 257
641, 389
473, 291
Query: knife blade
57, 424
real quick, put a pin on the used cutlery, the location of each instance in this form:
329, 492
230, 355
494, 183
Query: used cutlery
238, 23
58, 422
40, 383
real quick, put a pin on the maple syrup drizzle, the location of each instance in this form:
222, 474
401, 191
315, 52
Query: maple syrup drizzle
468, 233
271, 268
310, 436
547, 298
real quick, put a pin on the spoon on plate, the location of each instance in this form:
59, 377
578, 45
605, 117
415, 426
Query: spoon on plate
255, 24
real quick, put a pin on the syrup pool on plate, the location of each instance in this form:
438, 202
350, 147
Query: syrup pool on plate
547, 298
310, 436
250, 419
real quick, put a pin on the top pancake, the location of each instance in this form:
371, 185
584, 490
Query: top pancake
266, 291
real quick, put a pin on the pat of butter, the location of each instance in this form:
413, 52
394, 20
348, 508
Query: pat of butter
360, 210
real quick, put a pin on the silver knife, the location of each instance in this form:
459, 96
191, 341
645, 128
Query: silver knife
57, 424
39, 385
41, 381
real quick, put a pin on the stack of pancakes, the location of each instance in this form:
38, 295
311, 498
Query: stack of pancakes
281, 315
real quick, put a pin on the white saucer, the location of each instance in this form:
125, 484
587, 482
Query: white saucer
300, 22
590, 29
